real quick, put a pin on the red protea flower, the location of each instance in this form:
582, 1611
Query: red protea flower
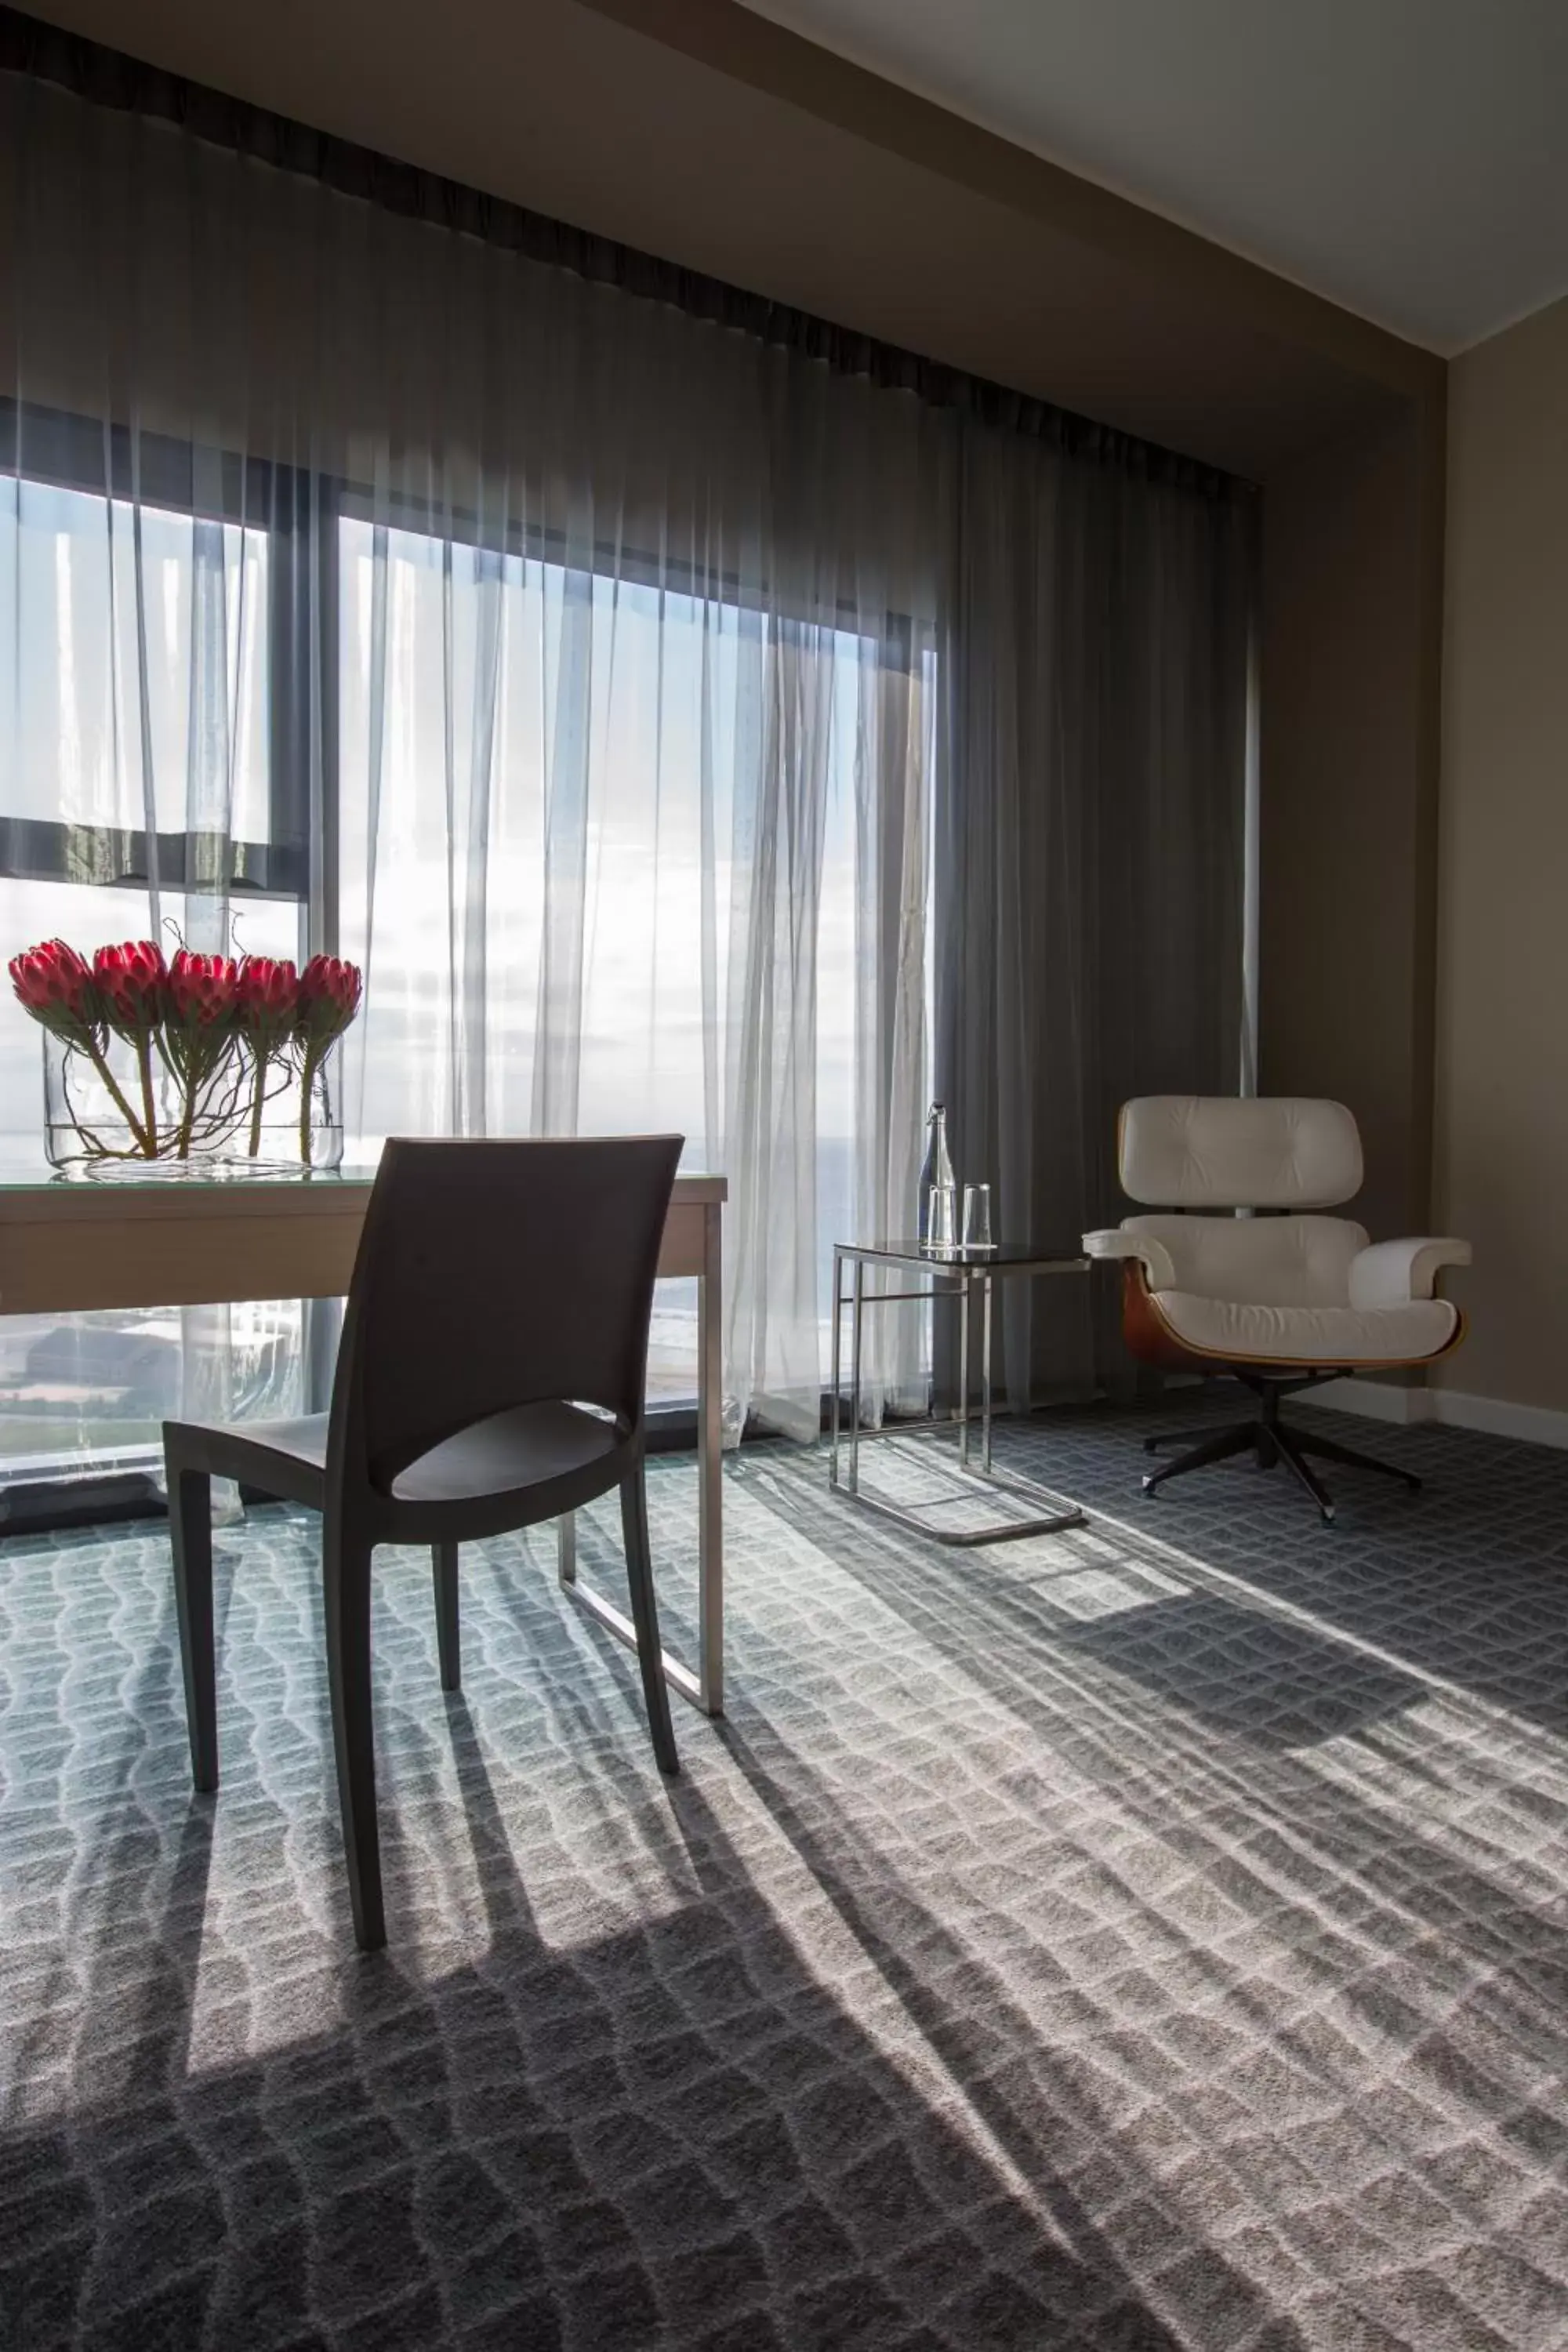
330, 993
55, 984
131, 982
267, 1005
203, 989
269, 995
201, 1000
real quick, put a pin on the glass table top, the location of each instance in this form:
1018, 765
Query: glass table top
24, 1168
1065, 1256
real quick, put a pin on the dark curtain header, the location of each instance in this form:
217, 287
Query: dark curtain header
107, 77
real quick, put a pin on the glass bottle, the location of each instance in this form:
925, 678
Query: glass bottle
938, 1192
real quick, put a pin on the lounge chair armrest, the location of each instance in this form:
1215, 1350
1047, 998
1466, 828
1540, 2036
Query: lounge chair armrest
1393, 1274
1155, 1257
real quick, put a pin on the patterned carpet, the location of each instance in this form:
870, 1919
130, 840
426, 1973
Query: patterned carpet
1149, 1936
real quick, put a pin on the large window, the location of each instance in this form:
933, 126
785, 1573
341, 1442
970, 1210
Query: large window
525, 830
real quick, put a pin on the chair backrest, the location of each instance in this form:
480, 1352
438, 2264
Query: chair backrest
1289, 1261
1224, 1151
498, 1274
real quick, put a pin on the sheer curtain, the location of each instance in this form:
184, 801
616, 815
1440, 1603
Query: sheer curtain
692, 716
598, 711
626, 701
613, 855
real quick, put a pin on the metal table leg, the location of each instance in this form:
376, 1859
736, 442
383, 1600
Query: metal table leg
987, 1477
986, 1368
963, 1371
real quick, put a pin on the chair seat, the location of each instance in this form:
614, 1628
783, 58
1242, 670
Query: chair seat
511, 1453
529, 1446
1223, 1329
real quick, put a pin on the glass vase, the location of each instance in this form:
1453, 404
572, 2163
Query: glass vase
113, 1111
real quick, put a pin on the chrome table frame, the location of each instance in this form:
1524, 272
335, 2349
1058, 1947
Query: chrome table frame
965, 1271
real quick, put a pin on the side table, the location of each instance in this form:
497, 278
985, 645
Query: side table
963, 1273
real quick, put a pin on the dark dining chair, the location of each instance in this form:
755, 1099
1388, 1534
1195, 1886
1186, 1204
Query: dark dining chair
490, 1377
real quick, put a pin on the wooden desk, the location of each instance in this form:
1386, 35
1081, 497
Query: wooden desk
185, 1241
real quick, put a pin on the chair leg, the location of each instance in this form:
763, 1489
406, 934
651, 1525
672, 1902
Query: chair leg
1285, 1442
1330, 1450
448, 1645
1241, 1439
191, 1540
644, 1616
345, 1564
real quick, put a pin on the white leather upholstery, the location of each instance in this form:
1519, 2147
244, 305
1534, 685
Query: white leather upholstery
1122, 1241
1298, 1289
1347, 1335
1223, 1151
1390, 1273
1258, 1261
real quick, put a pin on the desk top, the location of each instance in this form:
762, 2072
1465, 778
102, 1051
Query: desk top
163, 1236
29, 1186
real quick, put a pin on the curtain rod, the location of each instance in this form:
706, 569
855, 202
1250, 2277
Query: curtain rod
109, 77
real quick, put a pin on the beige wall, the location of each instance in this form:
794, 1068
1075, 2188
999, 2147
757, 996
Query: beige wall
1351, 651
1501, 1157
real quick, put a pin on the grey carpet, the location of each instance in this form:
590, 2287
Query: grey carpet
1146, 1937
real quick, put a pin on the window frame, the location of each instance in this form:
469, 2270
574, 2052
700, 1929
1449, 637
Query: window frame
297, 512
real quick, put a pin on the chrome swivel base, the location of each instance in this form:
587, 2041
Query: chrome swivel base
1272, 1442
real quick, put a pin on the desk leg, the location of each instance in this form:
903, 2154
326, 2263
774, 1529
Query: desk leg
858, 1302
838, 1364
711, 1469
705, 1689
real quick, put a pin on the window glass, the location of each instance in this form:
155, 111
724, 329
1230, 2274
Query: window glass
127, 654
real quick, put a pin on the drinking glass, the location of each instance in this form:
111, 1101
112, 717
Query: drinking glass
977, 1234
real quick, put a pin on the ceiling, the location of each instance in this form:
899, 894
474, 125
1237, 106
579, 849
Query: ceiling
1405, 158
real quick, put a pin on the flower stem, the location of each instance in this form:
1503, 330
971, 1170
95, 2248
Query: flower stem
307, 1082
259, 1098
187, 1120
100, 1063
149, 1111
